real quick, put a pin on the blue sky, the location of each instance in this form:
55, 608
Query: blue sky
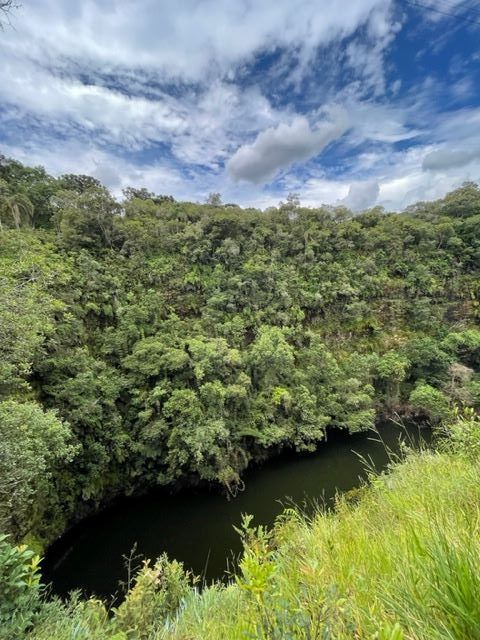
356, 102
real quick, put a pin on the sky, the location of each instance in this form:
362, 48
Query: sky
344, 102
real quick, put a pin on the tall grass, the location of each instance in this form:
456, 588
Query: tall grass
397, 560
400, 560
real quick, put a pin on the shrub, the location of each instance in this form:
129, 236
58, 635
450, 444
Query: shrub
19, 587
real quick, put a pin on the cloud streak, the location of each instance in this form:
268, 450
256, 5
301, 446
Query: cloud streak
448, 159
188, 39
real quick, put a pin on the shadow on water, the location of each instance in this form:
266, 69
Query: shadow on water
197, 526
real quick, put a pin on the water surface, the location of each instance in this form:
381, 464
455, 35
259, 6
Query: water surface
197, 526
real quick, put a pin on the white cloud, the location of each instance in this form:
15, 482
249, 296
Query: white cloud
59, 80
130, 121
111, 170
449, 158
148, 75
404, 181
107, 87
362, 195
187, 39
367, 57
379, 122
201, 126
278, 147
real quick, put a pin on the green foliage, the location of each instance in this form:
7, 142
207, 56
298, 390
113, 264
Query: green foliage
29, 185
19, 588
156, 595
465, 345
27, 303
375, 569
34, 447
378, 567
429, 361
15, 209
74, 619
270, 356
180, 341
464, 201
430, 402
392, 368
463, 434
86, 218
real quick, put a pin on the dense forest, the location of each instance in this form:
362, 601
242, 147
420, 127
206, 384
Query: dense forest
148, 342
152, 348
153, 342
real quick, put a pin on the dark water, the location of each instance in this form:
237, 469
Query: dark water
196, 527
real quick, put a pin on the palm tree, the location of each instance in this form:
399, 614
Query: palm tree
19, 207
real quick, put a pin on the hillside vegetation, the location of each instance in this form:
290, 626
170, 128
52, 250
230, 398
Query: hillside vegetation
397, 560
152, 342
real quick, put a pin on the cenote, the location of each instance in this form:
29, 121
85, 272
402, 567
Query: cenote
197, 526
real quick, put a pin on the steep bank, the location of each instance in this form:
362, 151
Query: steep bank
148, 342
91, 556
397, 560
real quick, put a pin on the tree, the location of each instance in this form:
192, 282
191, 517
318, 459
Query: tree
463, 202
17, 208
427, 359
26, 306
291, 205
196, 442
34, 445
270, 356
32, 183
465, 345
78, 182
459, 387
392, 368
87, 219
430, 402
214, 199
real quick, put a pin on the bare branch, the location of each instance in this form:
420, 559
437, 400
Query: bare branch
6, 7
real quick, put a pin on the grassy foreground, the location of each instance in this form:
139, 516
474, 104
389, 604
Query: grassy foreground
398, 559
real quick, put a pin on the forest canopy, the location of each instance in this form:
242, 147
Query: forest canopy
146, 341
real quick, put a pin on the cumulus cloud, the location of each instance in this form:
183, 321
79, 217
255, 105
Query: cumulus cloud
362, 195
278, 147
404, 181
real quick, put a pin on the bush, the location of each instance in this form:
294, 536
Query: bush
20, 589
464, 434
156, 594
430, 402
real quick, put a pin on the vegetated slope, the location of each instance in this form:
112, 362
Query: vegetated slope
155, 342
397, 560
